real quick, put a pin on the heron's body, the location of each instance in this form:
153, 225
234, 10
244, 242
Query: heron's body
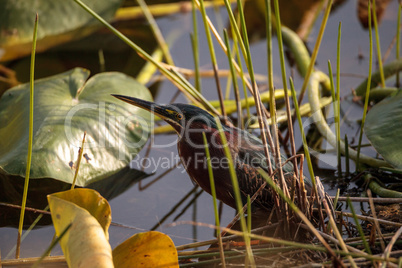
190, 122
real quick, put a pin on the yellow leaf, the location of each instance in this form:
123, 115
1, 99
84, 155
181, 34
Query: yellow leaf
86, 243
150, 249
91, 201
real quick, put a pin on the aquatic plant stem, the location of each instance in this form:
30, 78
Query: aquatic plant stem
300, 214
359, 227
221, 43
213, 193
186, 88
77, 168
324, 129
347, 164
338, 100
213, 57
236, 191
377, 38
194, 44
157, 33
30, 137
272, 104
303, 136
284, 77
235, 84
235, 27
366, 99
398, 39
262, 120
51, 246
336, 117
243, 79
337, 233
315, 51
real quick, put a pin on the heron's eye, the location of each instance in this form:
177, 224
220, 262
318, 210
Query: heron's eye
179, 116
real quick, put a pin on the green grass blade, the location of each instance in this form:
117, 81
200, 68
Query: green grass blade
377, 39
185, 88
80, 153
257, 98
30, 139
336, 198
197, 77
336, 117
235, 28
237, 41
213, 193
303, 136
366, 100
51, 246
234, 80
213, 56
338, 100
283, 71
26, 233
398, 39
194, 44
359, 227
156, 31
101, 57
236, 191
243, 79
247, 56
249, 214
315, 51
347, 155
276, 146
296, 210
211, 180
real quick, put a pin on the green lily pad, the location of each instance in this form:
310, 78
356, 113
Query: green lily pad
65, 106
383, 128
59, 22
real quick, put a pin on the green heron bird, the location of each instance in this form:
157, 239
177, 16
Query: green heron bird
247, 151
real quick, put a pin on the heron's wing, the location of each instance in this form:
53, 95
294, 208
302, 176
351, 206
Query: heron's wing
251, 150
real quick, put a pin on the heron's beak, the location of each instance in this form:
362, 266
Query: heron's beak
161, 111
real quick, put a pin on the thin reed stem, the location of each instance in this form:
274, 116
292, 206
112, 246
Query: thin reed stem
336, 116
156, 31
398, 39
347, 164
213, 56
186, 88
303, 136
338, 100
315, 51
377, 39
234, 79
366, 100
359, 227
30, 137
80, 153
236, 191
213, 193
194, 44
